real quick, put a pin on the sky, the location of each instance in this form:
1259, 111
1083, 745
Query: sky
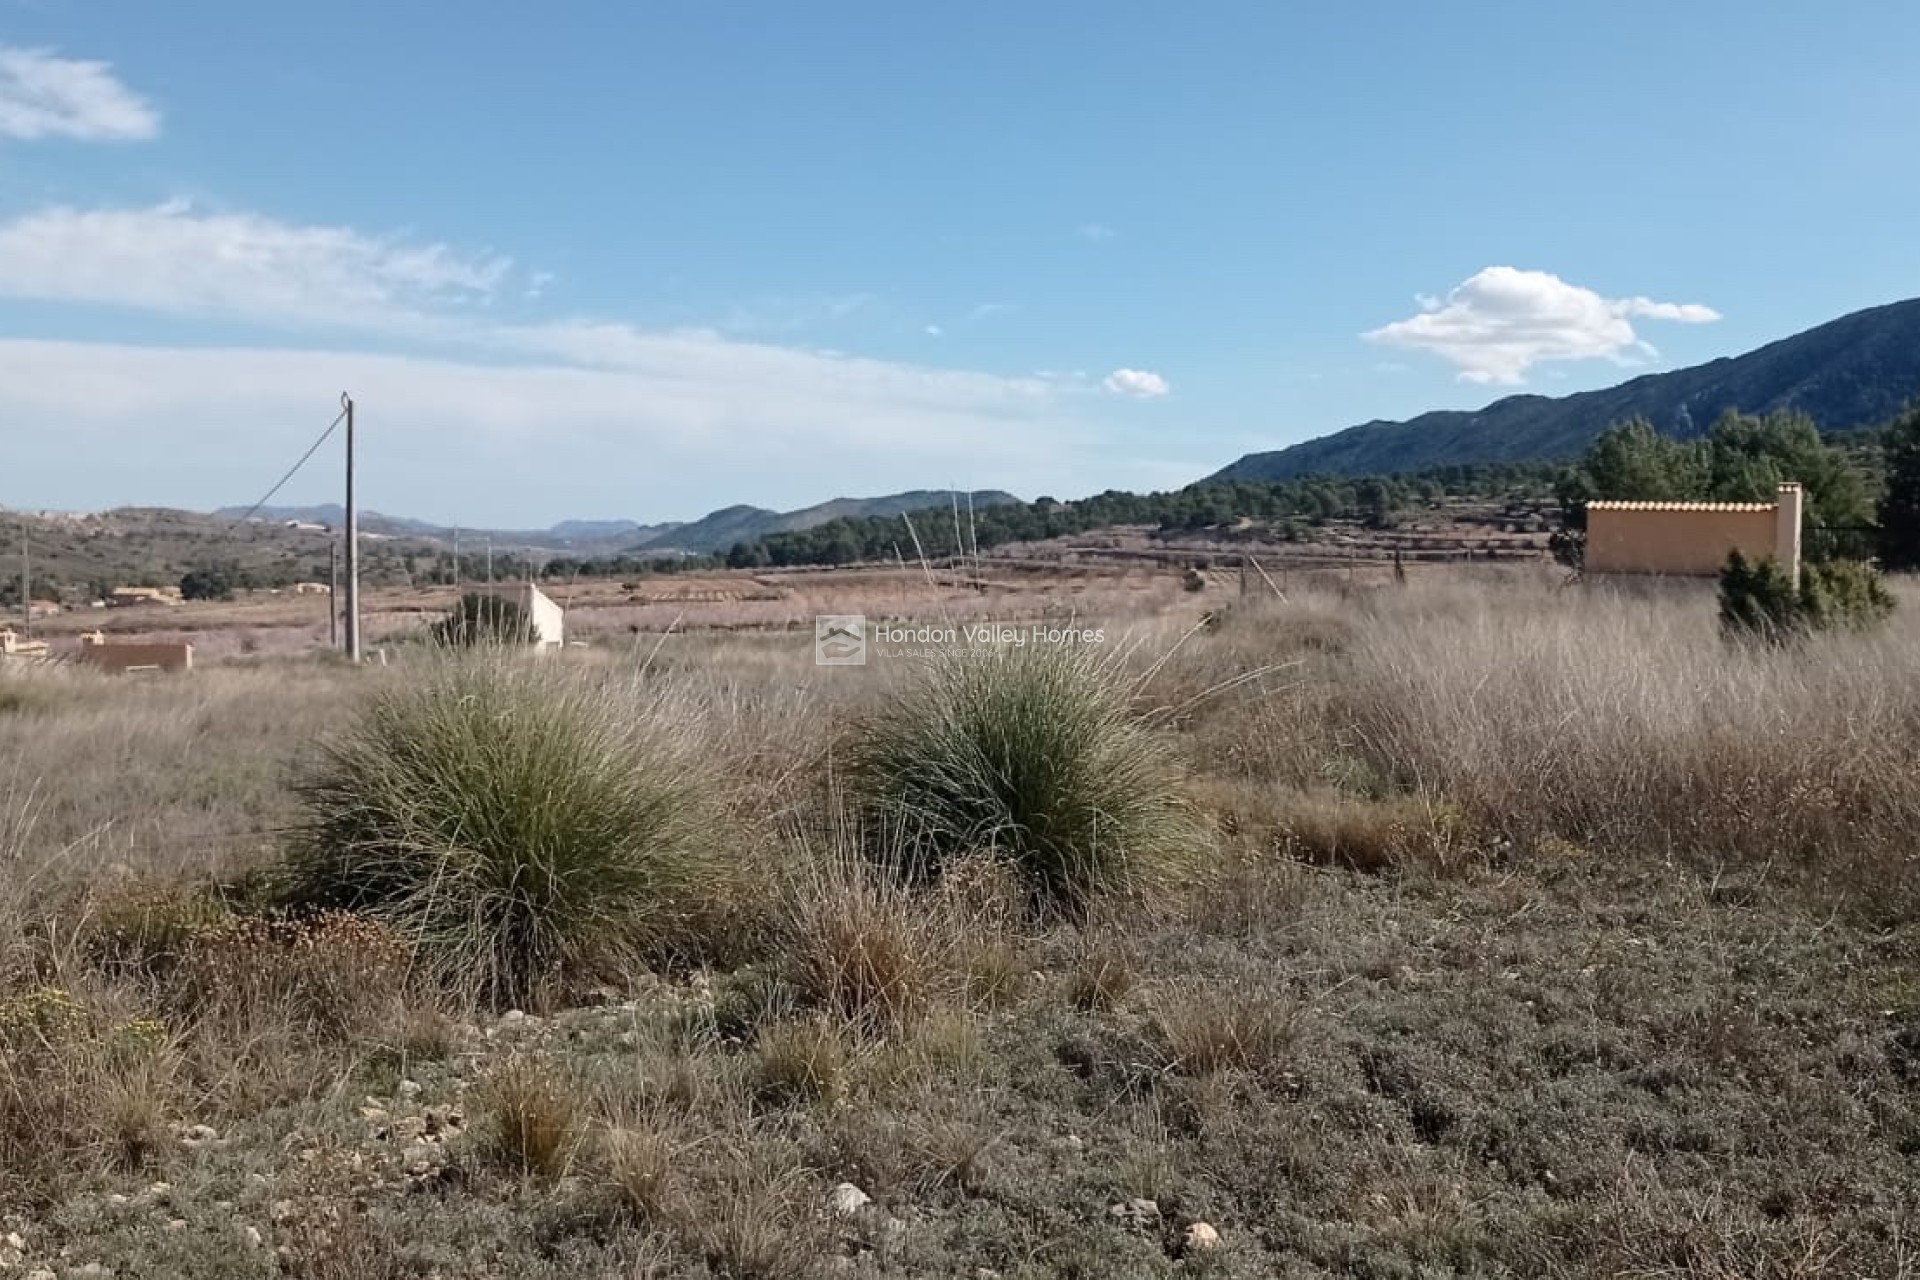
609, 259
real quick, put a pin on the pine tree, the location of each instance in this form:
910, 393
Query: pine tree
1900, 507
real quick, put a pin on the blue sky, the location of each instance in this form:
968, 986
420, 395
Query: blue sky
625, 259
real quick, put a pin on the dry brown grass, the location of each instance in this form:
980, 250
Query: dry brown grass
533, 1118
1618, 719
801, 1061
1202, 1028
84, 1085
639, 1164
1393, 832
1615, 1037
857, 944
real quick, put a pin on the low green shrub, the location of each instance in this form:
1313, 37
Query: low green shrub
1760, 601
480, 618
1032, 753
515, 824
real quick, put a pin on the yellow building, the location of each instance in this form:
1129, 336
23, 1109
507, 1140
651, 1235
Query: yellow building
1693, 539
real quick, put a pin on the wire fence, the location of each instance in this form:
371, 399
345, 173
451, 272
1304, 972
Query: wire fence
1840, 542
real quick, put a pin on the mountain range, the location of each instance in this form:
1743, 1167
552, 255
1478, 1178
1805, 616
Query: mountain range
714, 532
1856, 371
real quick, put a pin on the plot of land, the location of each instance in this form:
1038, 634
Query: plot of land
1537, 933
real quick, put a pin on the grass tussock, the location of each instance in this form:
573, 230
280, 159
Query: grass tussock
1388, 833
861, 947
802, 1061
1202, 1029
534, 1118
1101, 977
84, 1085
520, 827
1035, 754
639, 1166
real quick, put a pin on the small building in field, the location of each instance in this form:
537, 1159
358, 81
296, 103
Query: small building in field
312, 589
14, 645
1693, 539
119, 657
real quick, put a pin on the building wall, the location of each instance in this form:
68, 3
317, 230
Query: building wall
549, 620
1682, 543
120, 658
1694, 539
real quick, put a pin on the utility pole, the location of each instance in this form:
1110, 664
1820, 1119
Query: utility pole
353, 545
333, 594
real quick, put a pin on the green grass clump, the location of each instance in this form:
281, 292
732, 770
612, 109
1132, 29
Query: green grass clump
518, 825
1035, 754
480, 618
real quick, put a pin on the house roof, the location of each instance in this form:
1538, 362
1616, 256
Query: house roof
1680, 506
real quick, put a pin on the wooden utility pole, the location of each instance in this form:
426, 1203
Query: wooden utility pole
353, 545
333, 594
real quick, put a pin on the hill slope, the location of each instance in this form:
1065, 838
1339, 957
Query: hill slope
1850, 372
720, 530
568, 535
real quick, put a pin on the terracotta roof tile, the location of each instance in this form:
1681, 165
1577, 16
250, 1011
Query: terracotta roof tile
1680, 506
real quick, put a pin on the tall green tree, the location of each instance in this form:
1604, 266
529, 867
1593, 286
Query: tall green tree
1634, 462
1900, 505
1748, 455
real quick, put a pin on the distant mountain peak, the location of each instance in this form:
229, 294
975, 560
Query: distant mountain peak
1852, 372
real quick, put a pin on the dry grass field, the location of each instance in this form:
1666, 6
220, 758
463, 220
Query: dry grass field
1474, 925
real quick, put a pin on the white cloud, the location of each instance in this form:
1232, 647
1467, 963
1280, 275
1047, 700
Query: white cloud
1138, 383
1684, 312
529, 443
45, 96
178, 259
1095, 231
934, 331
1500, 322
469, 402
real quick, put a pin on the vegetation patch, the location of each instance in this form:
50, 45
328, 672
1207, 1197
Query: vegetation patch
1761, 601
516, 825
1035, 754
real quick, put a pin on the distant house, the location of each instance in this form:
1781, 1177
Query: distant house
120, 658
13, 645
1693, 539
312, 589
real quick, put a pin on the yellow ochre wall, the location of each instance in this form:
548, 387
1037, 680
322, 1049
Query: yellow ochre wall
1683, 543
1693, 539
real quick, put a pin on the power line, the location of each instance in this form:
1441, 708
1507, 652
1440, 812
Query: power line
311, 450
